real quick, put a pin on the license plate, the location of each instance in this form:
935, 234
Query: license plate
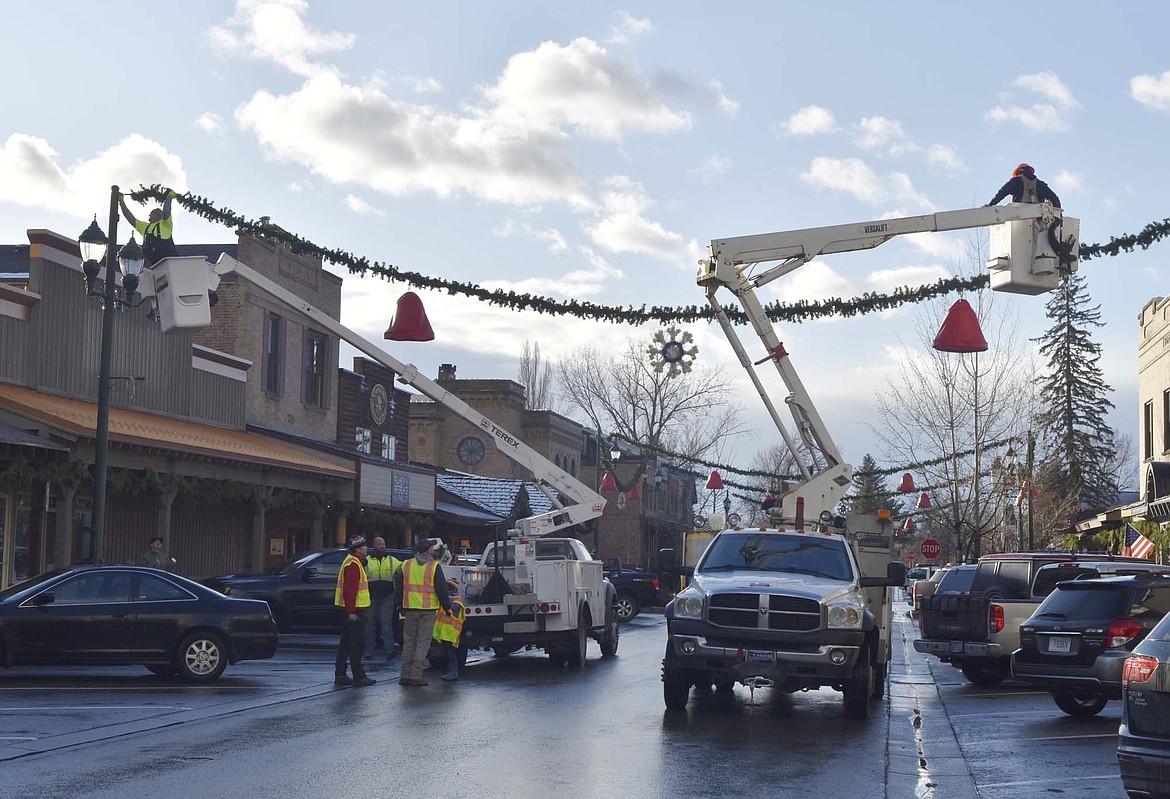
760, 656
957, 646
1059, 643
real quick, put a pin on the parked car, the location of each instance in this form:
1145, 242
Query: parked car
300, 592
1048, 576
923, 572
1076, 642
636, 589
1143, 744
131, 615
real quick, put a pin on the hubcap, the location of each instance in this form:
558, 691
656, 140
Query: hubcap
202, 657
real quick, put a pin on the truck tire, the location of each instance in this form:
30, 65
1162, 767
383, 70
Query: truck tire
576, 655
880, 671
986, 672
859, 688
627, 606
676, 682
609, 638
1080, 706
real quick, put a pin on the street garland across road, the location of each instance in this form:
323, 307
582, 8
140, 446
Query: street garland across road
801, 311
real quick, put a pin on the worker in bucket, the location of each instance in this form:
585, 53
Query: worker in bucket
1025, 187
448, 631
157, 233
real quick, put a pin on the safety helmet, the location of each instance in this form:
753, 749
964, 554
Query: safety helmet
356, 542
1023, 169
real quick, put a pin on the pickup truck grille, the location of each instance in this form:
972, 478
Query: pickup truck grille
783, 613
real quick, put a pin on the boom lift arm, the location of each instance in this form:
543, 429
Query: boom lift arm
1031, 265
589, 504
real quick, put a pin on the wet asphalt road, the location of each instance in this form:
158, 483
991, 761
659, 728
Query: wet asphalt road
516, 727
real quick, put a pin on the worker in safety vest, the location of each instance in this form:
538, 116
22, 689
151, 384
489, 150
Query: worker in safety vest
157, 234
352, 597
448, 631
421, 591
1025, 187
380, 568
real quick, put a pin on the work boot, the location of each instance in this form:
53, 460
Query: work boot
364, 682
342, 679
450, 675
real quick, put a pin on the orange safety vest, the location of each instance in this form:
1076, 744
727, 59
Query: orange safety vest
363, 592
418, 585
450, 628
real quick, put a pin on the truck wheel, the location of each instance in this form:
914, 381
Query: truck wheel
986, 672
580, 641
676, 682
879, 680
859, 688
627, 607
1080, 706
609, 638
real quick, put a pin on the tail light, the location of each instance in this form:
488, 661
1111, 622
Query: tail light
654, 583
1122, 632
1138, 668
996, 613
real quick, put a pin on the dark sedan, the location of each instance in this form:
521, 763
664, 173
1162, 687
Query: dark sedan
131, 615
1143, 750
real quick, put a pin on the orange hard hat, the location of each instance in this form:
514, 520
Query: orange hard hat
1023, 169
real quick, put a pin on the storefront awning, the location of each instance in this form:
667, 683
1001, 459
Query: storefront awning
127, 427
15, 437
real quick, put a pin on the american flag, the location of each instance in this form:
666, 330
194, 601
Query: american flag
1136, 544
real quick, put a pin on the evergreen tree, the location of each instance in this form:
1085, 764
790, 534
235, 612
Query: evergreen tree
870, 493
1074, 401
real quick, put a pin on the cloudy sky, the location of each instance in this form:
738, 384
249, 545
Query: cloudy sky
592, 151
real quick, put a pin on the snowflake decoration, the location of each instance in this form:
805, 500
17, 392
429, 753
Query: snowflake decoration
672, 350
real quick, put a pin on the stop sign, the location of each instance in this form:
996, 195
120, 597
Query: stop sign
931, 549
909, 556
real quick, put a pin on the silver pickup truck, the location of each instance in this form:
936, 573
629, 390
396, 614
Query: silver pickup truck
977, 632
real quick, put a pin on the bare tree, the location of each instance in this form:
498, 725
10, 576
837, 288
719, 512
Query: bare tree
536, 375
943, 411
692, 413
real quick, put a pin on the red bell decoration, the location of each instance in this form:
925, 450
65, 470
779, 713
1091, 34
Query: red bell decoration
924, 502
714, 482
635, 494
608, 483
410, 321
908, 526
960, 330
907, 484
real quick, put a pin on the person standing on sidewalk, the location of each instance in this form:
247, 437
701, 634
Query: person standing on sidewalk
352, 597
448, 631
380, 568
422, 591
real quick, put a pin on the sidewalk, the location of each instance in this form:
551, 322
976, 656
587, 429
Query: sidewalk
923, 756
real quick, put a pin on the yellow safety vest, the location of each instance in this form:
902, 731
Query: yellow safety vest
363, 592
382, 568
450, 628
418, 585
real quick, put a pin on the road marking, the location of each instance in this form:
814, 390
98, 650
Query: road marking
17, 738
1045, 782
1007, 713
40, 708
1060, 738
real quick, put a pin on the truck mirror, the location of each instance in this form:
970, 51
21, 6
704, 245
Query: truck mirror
666, 559
896, 572
613, 566
309, 573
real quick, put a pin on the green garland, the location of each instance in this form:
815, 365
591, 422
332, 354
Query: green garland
801, 311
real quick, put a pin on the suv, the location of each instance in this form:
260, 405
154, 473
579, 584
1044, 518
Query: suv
978, 631
958, 582
1075, 645
1053, 573
1143, 741
300, 592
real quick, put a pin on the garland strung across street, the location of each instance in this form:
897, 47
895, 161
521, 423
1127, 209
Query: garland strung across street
801, 311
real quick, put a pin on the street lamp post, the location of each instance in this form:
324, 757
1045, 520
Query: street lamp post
92, 241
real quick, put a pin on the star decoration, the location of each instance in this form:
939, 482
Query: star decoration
672, 350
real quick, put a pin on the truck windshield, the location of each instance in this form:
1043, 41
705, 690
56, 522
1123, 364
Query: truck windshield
804, 554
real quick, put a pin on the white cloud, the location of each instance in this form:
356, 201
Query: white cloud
855, 177
1151, 91
275, 30
350, 134
1066, 181
209, 122
942, 155
623, 226
810, 121
1050, 114
31, 175
880, 133
818, 280
626, 28
553, 238
426, 85
361, 207
713, 167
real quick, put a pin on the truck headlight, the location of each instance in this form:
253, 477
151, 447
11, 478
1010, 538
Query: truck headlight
845, 613
688, 605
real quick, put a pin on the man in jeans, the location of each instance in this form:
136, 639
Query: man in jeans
380, 568
421, 590
352, 599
